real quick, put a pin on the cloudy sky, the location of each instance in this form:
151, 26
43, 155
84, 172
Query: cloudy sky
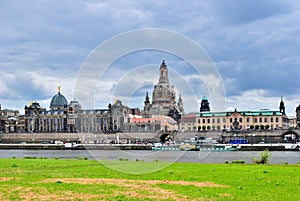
253, 44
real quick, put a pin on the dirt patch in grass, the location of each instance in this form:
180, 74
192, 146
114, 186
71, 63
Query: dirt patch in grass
141, 189
126, 182
6, 178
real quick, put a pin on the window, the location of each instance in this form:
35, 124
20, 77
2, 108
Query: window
213, 121
260, 120
208, 121
241, 119
248, 119
224, 120
198, 121
255, 120
277, 119
218, 121
230, 120
272, 119
203, 121
266, 119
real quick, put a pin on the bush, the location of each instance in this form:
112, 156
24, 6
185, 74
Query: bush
29, 157
264, 157
123, 159
239, 161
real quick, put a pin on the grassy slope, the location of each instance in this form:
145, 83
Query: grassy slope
23, 177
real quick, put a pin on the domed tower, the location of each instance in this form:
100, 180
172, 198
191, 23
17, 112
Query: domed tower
74, 106
73, 116
281, 106
163, 96
204, 107
58, 101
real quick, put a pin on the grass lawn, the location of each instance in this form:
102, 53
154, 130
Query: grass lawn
58, 179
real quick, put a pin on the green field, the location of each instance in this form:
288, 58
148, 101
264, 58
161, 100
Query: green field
58, 179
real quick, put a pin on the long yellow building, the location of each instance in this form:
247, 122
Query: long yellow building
230, 120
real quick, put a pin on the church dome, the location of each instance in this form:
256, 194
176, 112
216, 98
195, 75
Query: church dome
58, 101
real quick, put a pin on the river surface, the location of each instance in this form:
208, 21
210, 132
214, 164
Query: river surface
278, 157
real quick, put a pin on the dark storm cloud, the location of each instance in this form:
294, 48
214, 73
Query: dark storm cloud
254, 43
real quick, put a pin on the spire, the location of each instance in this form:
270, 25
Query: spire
281, 106
180, 104
147, 98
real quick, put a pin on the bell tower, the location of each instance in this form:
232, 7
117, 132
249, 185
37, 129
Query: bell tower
281, 106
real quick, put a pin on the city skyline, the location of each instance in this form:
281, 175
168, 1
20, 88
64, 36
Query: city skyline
253, 45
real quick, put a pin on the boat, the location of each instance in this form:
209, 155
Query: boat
165, 147
72, 145
207, 144
292, 147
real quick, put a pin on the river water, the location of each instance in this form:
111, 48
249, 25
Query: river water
277, 157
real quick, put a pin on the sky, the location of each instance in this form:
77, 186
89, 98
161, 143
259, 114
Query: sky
253, 45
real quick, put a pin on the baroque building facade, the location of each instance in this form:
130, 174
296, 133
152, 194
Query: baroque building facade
10, 121
236, 120
71, 117
65, 117
164, 102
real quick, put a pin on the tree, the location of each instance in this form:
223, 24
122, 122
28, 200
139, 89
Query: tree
298, 124
252, 127
194, 128
203, 128
208, 127
262, 127
256, 127
267, 127
218, 127
199, 128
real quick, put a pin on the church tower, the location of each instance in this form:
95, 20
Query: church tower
180, 104
281, 106
163, 96
146, 106
204, 105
